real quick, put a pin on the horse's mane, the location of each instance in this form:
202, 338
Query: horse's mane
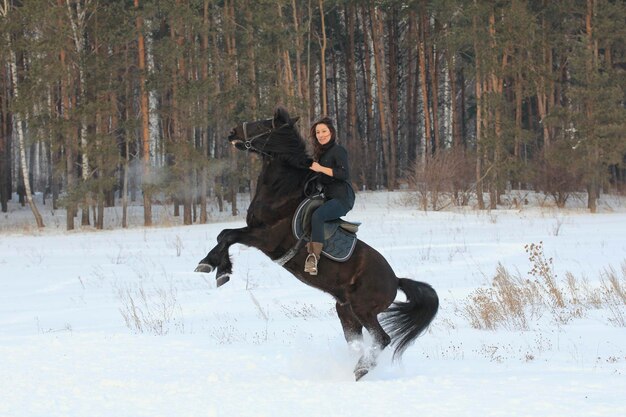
284, 141
286, 146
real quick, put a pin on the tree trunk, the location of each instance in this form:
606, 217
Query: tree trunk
185, 132
427, 151
352, 134
393, 93
231, 81
324, 94
454, 104
99, 223
70, 143
433, 60
381, 94
204, 63
77, 22
300, 86
125, 184
479, 116
497, 88
21, 142
53, 156
144, 110
593, 183
251, 73
335, 84
517, 147
545, 71
309, 64
287, 81
5, 144
462, 113
411, 92
371, 157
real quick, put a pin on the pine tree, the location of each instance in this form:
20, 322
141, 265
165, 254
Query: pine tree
597, 113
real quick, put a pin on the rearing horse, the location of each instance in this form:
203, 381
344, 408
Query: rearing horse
364, 286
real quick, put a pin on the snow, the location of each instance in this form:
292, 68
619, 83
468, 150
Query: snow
267, 345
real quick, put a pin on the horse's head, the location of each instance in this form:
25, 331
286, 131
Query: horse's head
286, 160
254, 136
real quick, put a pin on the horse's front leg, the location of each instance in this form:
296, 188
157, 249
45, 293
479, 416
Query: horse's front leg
219, 258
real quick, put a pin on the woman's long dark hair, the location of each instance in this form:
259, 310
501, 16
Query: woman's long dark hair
317, 148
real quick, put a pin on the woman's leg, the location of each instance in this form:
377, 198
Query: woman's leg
330, 210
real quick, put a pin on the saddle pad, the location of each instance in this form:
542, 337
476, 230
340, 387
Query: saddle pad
338, 244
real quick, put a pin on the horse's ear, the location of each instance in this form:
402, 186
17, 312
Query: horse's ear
294, 120
281, 115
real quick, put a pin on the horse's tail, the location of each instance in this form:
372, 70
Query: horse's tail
405, 321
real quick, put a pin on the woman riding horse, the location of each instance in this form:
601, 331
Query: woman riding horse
364, 286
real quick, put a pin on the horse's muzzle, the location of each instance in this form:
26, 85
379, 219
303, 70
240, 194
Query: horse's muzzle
239, 144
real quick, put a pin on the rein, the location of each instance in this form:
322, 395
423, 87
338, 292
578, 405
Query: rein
316, 189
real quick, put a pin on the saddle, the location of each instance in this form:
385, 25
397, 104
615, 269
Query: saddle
339, 235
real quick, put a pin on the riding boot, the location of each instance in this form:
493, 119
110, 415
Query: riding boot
315, 250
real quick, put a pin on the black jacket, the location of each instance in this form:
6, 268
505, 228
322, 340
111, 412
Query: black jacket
338, 186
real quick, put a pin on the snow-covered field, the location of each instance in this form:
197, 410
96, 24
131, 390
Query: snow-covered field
115, 323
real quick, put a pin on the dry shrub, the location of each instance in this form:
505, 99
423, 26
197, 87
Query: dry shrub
511, 301
613, 292
562, 308
574, 287
155, 312
482, 310
508, 303
557, 174
443, 179
542, 271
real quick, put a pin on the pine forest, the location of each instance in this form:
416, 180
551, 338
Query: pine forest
129, 102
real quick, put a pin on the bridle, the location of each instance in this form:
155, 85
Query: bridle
245, 128
248, 143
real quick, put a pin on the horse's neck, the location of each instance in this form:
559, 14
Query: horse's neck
269, 207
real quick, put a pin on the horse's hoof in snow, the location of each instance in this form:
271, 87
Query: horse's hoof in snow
206, 268
222, 279
356, 347
360, 373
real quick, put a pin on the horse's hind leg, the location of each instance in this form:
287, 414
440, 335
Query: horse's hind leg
352, 327
381, 341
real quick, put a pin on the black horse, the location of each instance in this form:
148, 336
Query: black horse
364, 286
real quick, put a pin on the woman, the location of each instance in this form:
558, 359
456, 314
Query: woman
331, 161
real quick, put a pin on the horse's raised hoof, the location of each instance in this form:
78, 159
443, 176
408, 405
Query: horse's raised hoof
360, 373
206, 268
222, 279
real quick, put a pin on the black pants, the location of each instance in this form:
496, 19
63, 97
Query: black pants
330, 210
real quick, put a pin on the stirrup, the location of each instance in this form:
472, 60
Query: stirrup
311, 266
